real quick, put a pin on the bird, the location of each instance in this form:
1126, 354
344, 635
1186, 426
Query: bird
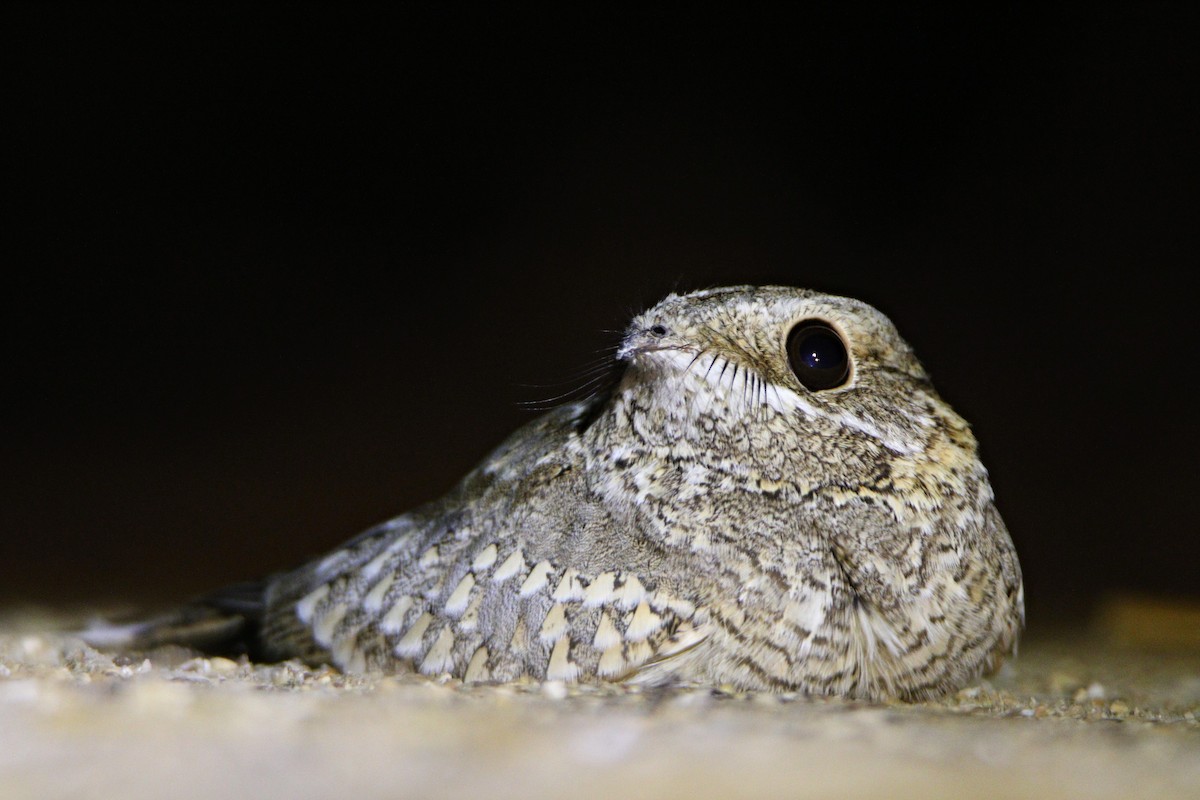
772, 497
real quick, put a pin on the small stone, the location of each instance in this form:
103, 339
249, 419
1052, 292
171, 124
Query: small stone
555, 690
1095, 691
222, 666
1119, 708
189, 677
33, 646
692, 699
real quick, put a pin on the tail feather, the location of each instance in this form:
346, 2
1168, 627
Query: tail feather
226, 622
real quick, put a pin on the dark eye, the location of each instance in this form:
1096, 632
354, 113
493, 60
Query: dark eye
818, 356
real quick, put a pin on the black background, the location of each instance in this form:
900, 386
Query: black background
274, 277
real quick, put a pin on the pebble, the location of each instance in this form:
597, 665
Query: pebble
691, 699
188, 677
222, 666
34, 646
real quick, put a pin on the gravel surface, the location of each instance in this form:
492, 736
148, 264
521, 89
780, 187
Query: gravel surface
1074, 717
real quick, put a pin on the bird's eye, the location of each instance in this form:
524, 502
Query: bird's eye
817, 355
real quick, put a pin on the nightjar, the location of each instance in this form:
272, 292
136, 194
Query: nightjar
773, 497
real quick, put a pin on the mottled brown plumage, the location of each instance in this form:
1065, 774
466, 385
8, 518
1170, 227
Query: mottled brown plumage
710, 520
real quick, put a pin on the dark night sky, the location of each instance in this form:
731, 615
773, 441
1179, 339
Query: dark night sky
275, 277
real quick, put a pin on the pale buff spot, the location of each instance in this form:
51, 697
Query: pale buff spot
539, 578
643, 623
412, 644
520, 637
607, 635
510, 567
327, 622
373, 567
599, 591
612, 663
439, 659
308, 604
429, 558
393, 621
374, 599
485, 558
343, 652
456, 604
570, 588
561, 668
477, 669
631, 592
555, 624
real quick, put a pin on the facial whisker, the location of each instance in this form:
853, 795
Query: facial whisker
582, 391
695, 358
588, 371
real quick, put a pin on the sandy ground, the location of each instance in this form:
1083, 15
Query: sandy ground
1076, 716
